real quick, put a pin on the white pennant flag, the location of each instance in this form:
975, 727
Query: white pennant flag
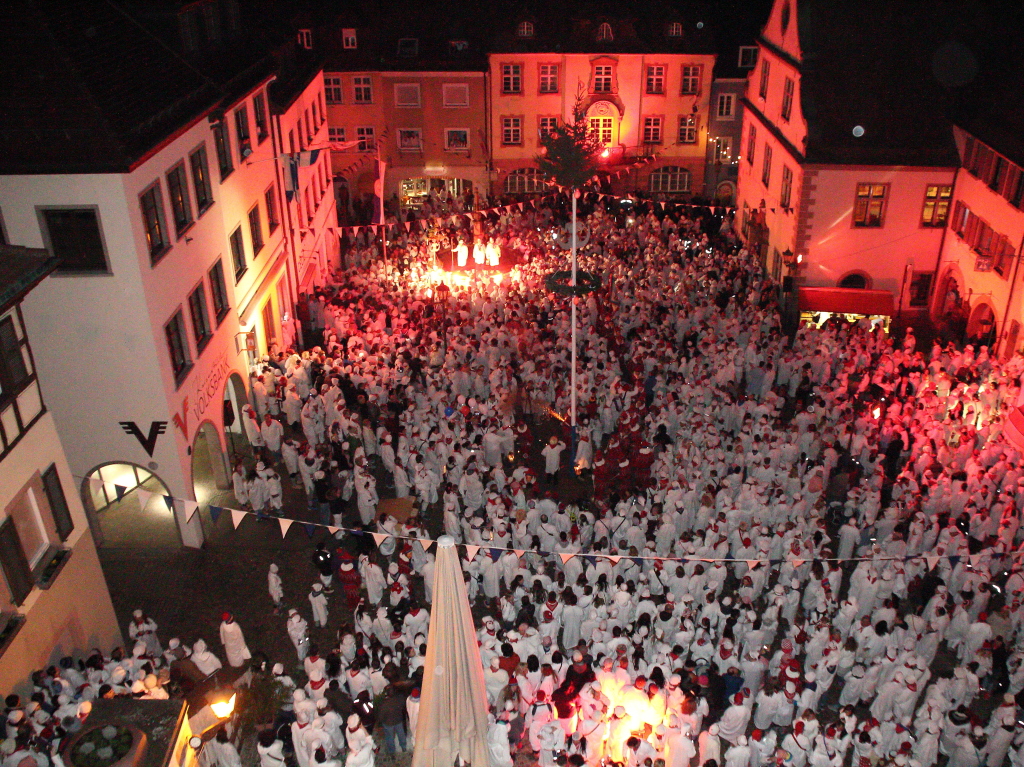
615, 559
285, 524
471, 551
237, 517
566, 557
97, 485
143, 496
519, 552
191, 507
379, 538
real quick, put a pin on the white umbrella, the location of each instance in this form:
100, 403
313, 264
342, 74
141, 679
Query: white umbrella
453, 702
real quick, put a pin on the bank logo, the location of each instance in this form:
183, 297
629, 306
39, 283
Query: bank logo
148, 442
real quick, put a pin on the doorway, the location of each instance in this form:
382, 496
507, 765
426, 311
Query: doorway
128, 507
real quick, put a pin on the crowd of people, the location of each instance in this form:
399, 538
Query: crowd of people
758, 546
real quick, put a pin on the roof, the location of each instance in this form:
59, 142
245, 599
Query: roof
21, 269
872, 64
734, 24
91, 86
846, 301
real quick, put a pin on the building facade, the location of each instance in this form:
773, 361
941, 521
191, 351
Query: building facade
54, 596
839, 192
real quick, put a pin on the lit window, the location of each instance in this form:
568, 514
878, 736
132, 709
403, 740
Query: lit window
670, 179
153, 218
256, 230
723, 150
675, 29
603, 78
691, 79
410, 140
548, 78
201, 330
181, 207
524, 181
869, 205
222, 142
604, 33
525, 29
511, 131
652, 130
936, 205
602, 128
201, 179
219, 289
242, 133
688, 128
511, 78
656, 80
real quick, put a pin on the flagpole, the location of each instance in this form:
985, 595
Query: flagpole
572, 399
383, 215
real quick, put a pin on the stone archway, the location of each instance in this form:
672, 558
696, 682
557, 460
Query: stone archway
126, 506
981, 325
210, 477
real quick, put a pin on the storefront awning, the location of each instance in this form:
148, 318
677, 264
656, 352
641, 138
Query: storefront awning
847, 301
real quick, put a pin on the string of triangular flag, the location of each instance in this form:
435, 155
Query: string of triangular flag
189, 507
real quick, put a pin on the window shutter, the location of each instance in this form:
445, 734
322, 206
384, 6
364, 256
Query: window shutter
14, 563
58, 503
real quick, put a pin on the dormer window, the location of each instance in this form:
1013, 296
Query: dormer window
604, 33
458, 46
675, 29
305, 38
349, 41
408, 47
525, 29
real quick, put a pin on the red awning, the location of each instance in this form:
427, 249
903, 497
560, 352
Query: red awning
847, 301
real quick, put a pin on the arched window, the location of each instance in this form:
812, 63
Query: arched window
675, 29
525, 29
524, 181
670, 178
604, 33
854, 280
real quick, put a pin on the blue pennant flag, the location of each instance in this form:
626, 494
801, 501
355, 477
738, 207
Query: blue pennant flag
310, 529
954, 561
170, 502
120, 490
215, 512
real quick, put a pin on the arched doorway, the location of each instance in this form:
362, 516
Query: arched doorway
981, 327
856, 280
210, 477
235, 398
126, 505
603, 119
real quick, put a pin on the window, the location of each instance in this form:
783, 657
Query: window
305, 39
153, 218
410, 140
223, 145
1015, 190
723, 150
13, 562
787, 186
604, 33
200, 320
332, 87
675, 29
407, 95
994, 249
177, 188
787, 98
408, 47
670, 178
73, 236
726, 104
58, 503
242, 133
363, 90
259, 116
177, 346
748, 56
765, 69
458, 46
238, 253
511, 131
349, 40
14, 375
691, 79
219, 290
936, 205
653, 130
201, 179
525, 29
688, 128
545, 125
998, 173
766, 166
524, 181
601, 127
256, 230
270, 198
336, 135
309, 127
656, 80
455, 95
511, 78
920, 288
456, 139
364, 136
869, 205
751, 144
301, 127
547, 78
603, 78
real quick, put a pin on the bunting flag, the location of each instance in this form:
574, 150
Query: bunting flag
471, 552
332, 530
170, 502
615, 559
565, 557
798, 562
379, 538
143, 496
519, 553
215, 513
97, 485
119, 491
310, 529
190, 510
237, 517
426, 543
285, 524
752, 563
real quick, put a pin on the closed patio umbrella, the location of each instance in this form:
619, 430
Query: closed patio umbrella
453, 702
